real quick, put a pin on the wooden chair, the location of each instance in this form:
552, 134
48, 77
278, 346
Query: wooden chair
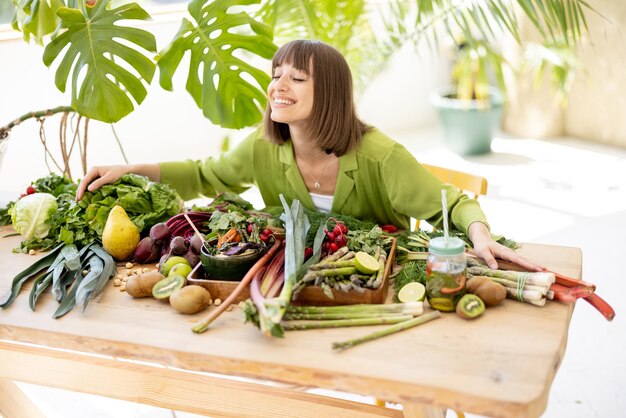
466, 182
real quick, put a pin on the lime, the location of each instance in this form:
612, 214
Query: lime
412, 292
365, 263
171, 262
180, 269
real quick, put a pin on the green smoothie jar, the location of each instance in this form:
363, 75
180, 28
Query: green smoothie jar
445, 273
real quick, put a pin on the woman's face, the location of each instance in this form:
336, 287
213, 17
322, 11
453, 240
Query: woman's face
290, 95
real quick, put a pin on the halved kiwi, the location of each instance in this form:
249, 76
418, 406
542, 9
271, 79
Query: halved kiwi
470, 306
163, 289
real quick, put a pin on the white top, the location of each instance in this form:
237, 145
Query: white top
322, 202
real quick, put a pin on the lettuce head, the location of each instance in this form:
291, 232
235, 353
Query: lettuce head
29, 215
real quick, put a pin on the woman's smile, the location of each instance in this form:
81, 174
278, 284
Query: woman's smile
291, 95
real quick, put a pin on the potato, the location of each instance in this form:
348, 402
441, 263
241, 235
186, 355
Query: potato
190, 299
140, 286
490, 292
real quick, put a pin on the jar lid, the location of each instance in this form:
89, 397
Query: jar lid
443, 246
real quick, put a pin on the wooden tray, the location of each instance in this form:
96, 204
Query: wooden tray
310, 295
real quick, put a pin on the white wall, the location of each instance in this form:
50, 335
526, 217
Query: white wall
168, 125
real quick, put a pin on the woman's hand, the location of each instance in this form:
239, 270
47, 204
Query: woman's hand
488, 249
97, 177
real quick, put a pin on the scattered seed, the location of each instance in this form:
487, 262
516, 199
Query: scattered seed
217, 302
31, 252
145, 270
230, 308
157, 265
129, 265
117, 282
85, 273
129, 273
122, 288
119, 276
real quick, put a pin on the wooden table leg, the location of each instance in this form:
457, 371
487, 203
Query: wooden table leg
413, 410
15, 404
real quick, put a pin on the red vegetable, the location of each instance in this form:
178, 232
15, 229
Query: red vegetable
333, 247
203, 325
341, 240
30, 190
389, 228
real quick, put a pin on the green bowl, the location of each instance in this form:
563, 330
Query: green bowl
231, 268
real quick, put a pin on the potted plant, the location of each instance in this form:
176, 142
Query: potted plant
470, 110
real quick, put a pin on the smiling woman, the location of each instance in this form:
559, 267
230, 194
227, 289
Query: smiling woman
313, 147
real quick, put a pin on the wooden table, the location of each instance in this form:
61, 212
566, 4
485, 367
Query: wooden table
141, 350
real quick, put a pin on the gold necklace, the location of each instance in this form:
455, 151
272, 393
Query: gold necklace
316, 180
317, 184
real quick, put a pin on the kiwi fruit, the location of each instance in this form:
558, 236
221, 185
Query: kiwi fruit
190, 299
470, 306
164, 288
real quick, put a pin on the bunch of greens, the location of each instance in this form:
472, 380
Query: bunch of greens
53, 184
82, 222
321, 218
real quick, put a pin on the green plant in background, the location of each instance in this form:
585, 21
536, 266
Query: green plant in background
476, 28
229, 41
88, 39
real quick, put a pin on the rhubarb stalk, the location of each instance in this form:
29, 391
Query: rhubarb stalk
203, 325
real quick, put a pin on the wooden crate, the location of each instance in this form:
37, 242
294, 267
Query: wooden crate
310, 295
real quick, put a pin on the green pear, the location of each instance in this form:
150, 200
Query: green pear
120, 236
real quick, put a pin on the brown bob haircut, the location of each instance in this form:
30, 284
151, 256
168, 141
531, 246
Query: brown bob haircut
333, 122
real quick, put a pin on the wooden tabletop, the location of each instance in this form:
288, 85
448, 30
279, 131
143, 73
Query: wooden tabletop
500, 365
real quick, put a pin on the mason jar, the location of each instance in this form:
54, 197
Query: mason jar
446, 270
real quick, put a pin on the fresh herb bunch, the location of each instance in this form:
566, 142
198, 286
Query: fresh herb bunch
412, 271
320, 218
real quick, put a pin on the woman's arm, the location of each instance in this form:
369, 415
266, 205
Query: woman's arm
97, 177
488, 249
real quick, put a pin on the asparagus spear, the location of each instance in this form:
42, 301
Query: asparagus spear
400, 326
337, 323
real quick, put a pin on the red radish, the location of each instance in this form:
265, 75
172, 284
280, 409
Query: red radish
341, 240
333, 247
30, 190
250, 228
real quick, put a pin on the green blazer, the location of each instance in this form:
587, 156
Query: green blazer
380, 181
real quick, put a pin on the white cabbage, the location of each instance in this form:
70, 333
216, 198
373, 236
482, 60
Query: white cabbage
29, 215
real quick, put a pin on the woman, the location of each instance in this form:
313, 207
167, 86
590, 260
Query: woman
313, 147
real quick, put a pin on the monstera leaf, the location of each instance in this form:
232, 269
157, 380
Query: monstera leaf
221, 83
36, 18
342, 24
102, 83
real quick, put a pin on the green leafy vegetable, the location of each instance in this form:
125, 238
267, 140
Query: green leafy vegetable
80, 223
30, 213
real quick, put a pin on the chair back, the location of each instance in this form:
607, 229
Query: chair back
466, 182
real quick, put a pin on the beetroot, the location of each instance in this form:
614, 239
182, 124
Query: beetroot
160, 233
147, 251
